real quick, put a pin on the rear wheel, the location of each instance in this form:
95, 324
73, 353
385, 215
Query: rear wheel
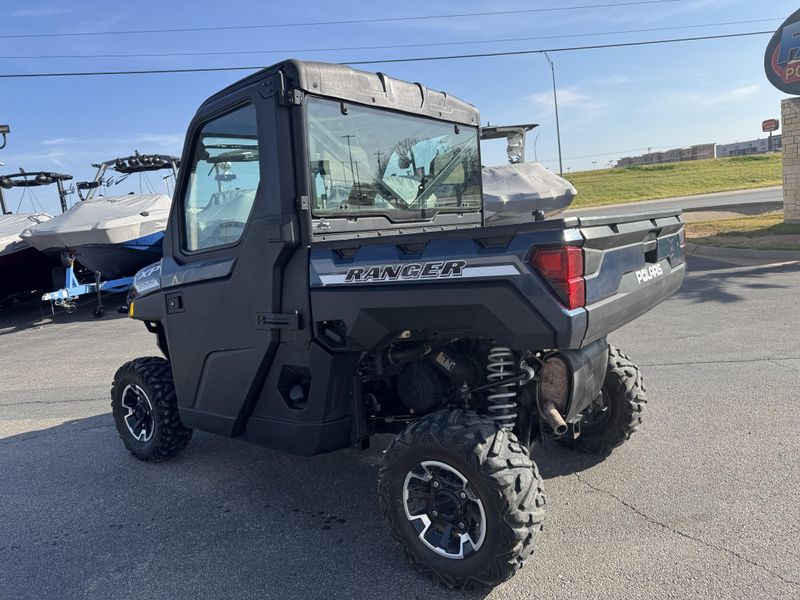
462, 497
145, 410
617, 412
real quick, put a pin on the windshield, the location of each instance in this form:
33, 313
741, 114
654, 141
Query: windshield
371, 161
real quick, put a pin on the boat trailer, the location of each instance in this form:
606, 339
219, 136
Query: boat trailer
67, 297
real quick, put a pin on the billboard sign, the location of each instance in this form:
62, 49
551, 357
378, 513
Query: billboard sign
770, 125
782, 58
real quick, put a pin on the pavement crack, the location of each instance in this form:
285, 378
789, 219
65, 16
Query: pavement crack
678, 532
683, 363
54, 401
775, 361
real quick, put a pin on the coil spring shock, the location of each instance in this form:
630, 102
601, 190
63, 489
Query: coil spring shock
502, 400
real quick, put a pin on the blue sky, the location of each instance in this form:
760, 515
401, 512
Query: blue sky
613, 102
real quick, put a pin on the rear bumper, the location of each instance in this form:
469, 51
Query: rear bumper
615, 311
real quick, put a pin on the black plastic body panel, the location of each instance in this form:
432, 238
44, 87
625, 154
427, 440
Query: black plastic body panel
325, 420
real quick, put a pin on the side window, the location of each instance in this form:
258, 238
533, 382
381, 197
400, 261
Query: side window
223, 180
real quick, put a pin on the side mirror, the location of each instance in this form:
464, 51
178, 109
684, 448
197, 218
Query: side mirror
403, 162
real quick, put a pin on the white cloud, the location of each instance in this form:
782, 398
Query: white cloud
614, 80
161, 141
707, 99
568, 97
171, 140
60, 141
42, 11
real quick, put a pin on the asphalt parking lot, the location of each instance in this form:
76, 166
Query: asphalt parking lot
701, 503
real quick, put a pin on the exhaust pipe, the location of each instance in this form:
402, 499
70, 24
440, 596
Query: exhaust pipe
554, 393
552, 417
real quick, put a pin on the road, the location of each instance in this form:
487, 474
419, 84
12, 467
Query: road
700, 503
748, 201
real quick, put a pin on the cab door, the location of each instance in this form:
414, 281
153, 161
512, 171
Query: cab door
231, 232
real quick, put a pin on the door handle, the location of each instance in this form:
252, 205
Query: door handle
174, 302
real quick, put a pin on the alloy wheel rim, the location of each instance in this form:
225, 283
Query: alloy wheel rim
444, 509
139, 416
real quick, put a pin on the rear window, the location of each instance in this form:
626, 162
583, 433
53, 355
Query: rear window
369, 161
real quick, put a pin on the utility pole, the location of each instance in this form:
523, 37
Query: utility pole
5, 130
350, 152
353, 172
378, 154
555, 101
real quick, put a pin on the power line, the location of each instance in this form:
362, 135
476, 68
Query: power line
569, 49
392, 46
394, 60
341, 22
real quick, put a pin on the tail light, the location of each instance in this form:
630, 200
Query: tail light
562, 267
682, 243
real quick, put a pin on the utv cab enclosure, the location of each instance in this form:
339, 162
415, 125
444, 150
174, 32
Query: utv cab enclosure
328, 275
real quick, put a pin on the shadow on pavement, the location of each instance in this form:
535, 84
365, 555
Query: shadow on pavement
556, 461
32, 312
717, 285
226, 519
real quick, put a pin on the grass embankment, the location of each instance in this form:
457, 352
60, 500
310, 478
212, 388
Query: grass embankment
617, 186
762, 232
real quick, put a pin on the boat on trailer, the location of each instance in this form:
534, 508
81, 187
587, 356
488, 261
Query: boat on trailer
520, 191
23, 269
104, 240
112, 236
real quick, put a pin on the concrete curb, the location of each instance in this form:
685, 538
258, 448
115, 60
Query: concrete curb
712, 252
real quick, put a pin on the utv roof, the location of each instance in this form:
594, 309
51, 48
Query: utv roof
373, 89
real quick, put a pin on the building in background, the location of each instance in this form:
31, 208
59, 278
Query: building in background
760, 146
697, 152
704, 151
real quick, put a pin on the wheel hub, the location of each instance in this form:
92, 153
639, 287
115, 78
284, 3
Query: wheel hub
447, 505
444, 509
139, 416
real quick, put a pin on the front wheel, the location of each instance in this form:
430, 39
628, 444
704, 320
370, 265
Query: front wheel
462, 497
145, 410
616, 413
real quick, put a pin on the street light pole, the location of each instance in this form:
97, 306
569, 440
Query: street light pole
555, 101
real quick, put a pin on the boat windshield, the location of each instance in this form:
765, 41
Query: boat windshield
372, 161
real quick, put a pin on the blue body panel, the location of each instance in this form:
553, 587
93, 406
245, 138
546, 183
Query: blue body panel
480, 279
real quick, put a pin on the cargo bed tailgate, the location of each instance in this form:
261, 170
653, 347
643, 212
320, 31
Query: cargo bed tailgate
631, 264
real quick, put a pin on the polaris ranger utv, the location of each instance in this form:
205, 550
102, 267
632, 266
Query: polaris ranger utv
328, 275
